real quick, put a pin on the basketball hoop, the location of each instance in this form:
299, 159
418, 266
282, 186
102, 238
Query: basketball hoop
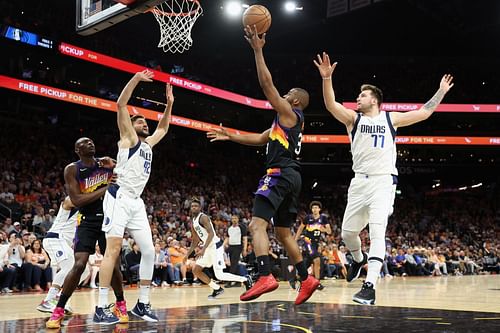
176, 19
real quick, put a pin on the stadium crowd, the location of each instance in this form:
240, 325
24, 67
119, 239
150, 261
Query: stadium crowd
430, 234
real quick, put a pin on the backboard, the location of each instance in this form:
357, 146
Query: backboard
96, 15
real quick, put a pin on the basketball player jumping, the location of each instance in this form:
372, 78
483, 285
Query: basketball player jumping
277, 195
123, 206
212, 252
87, 181
370, 200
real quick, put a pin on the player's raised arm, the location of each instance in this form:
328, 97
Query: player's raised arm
400, 119
164, 123
221, 134
341, 113
128, 136
279, 104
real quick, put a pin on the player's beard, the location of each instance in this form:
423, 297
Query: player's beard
143, 133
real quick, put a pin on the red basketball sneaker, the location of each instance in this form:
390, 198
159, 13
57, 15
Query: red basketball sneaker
264, 284
307, 287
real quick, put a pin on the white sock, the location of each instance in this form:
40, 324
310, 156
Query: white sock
214, 285
144, 294
374, 267
51, 294
103, 297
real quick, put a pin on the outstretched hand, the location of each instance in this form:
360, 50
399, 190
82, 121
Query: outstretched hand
218, 134
146, 75
253, 38
324, 66
445, 83
169, 93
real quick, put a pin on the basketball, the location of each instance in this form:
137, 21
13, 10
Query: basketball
259, 16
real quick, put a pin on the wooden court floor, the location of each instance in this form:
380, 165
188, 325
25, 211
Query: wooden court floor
437, 304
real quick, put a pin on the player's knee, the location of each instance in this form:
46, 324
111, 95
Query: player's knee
282, 234
197, 269
257, 225
80, 266
346, 234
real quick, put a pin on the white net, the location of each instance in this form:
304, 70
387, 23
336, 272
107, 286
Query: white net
176, 19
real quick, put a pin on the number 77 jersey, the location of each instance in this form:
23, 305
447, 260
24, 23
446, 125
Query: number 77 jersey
133, 167
373, 145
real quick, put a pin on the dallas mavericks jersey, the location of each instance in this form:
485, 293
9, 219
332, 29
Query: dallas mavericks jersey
65, 224
133, 167
202, 232
373, 145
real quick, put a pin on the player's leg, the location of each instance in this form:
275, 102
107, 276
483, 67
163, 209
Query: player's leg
70, 284
283, 221
355, 220
113, 227
379, 210
263, 210
207, 260
143, 238
60, 254
219, 265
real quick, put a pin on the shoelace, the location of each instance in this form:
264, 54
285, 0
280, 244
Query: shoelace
107, 311
147, 308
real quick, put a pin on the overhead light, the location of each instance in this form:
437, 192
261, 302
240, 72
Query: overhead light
291, 6
233, 8
477, 185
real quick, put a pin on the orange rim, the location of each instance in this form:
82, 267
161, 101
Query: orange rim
161, 12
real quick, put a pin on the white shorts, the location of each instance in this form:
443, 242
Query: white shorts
123, 211
57, 249
370, 199
213, 257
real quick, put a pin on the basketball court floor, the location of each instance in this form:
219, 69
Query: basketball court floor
439, 304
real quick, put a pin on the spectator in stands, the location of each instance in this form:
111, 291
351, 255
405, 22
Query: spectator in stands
133, 260
160, 271
177, 254
37, 268
94, 265
16, 254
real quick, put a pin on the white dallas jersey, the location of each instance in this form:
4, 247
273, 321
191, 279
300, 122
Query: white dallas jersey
373, 145
202, 232
133, 167
65, 224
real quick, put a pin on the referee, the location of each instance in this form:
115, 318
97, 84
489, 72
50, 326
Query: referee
236, 245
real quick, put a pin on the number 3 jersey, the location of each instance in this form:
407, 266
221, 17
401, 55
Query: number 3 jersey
133, 167
283, 145
373, 145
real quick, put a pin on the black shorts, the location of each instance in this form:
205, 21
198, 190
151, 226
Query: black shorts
88, 233
312, 250
277, 196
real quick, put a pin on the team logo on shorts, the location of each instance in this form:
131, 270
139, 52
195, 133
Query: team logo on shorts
107, 221
59, 253
219, 263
